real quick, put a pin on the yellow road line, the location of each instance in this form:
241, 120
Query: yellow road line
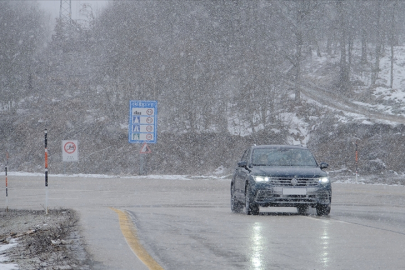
129, 231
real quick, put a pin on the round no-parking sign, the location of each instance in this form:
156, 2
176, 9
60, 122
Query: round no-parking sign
70, 151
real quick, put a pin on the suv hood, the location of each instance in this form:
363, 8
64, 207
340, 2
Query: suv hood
287, 171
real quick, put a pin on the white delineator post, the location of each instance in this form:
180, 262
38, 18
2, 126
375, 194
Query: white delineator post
46, 171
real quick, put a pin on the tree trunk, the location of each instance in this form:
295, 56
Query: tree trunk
363, 60
298, 75
394, 6
298, 54
344, 73
376, 69
349, 51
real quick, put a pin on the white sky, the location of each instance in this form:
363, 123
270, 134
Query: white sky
53, 6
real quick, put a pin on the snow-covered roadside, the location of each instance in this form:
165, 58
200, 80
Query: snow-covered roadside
163, 177
30, 241
392, 179
4, 260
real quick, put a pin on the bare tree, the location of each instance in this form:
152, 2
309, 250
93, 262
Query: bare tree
344, 79
378, 43
392, 42
295, 16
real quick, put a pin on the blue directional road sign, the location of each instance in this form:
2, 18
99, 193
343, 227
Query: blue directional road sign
142, 121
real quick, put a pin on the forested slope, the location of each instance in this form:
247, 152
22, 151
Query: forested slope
225, 75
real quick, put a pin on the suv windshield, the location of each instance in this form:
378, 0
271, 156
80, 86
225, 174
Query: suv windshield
282, 157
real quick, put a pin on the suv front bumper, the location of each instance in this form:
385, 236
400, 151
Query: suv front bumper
292, 197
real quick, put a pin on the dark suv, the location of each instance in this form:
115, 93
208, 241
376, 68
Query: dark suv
280, 175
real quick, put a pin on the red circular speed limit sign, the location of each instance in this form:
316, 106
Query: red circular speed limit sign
69, 147
149, 111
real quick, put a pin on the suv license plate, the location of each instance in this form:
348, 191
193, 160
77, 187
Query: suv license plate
294, 191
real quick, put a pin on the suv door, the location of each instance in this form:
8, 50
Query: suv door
241, 175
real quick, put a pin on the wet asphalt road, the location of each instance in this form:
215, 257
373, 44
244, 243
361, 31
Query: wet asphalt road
188, 224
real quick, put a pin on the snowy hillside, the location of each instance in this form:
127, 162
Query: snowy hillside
225, 75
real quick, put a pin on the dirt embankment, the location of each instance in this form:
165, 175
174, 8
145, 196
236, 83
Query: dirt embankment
49, 241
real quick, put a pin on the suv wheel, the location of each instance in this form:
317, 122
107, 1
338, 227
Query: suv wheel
236, 206
250, 207
323, 209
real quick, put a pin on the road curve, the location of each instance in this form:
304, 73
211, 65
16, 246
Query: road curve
338, 102
188, 225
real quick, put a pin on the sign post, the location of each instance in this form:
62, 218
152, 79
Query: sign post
144, 150
355, 142
6, 182
142, 126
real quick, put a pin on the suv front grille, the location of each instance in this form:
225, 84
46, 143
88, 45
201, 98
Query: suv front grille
286, 182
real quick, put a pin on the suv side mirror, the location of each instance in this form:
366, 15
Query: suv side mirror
242, 164
323, 165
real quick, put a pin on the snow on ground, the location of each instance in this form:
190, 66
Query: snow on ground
389, 100
398, 91
377, 107
385, 99
391, 179
387, 179
4, 265
218, 176
299, 129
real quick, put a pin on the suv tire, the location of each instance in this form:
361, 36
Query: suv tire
236, 206
323, 209
250, 207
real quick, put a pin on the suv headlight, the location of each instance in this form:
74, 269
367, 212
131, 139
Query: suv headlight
261, 178
323, 180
